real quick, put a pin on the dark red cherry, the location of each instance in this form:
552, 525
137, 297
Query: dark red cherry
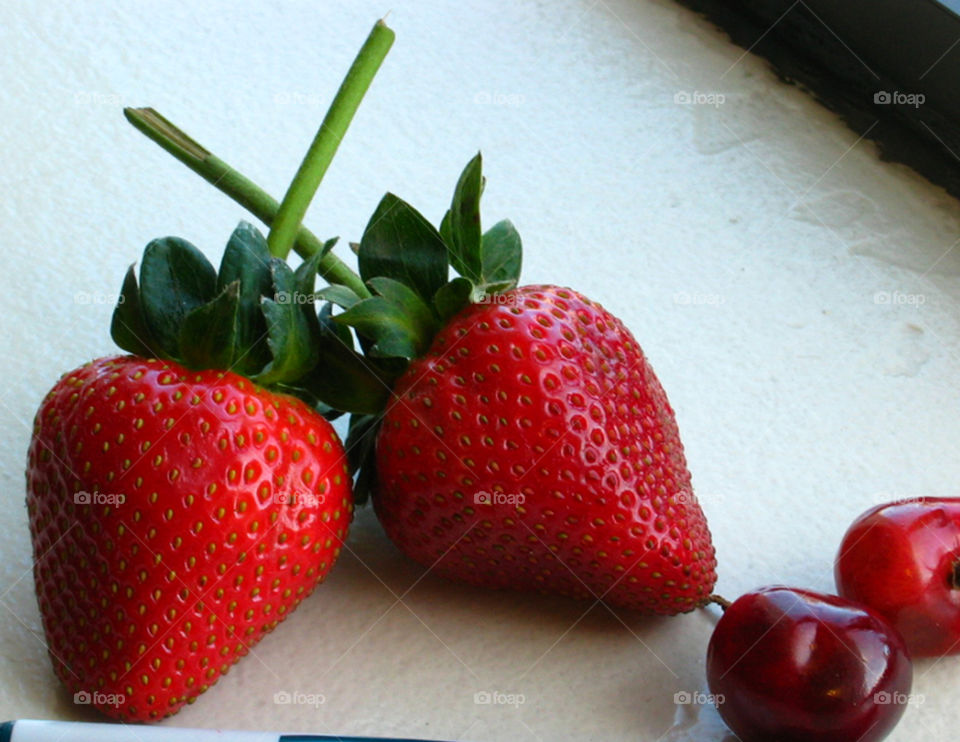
798, 666
903, 560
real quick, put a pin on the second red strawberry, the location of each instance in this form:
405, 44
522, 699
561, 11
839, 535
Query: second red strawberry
526, 442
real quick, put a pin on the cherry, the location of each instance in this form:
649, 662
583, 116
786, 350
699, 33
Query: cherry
798, 666
903, 560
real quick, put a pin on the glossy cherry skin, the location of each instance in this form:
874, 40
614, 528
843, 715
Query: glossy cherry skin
903, 560
791, 665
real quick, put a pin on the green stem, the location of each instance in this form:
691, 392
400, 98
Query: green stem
294, 206
238, 187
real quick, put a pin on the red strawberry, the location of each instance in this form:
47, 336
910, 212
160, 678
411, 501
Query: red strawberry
177, 517
185, 499
179, 512
532, 447
528, 444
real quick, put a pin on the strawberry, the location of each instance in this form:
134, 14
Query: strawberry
177, 517
183, 500
179, 512
532, 447
527, 443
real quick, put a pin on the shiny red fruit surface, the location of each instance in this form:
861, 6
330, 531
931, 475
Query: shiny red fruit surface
177, 517
798, 666
533, 448
903, 560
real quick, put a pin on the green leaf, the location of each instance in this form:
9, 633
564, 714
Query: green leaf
446, 232
342, 378
305, 277
245, 257
289, 333
452, 297
208, 335
175, 279
416, 309
486, 293
342, 296
361, 454
127, 327
327, 324
400, 243
463, 228
502, 254
328, 245
246, 260
386, 324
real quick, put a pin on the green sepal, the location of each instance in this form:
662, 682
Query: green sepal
419, 312
289, 333
502, 255
128, 328
461, 228
343, 379
361, 446
305, 277
446, 234
175, 279
452, 297
391, 331
342, 296
400, 243
328, 245
208, 335
340, 332
246, 260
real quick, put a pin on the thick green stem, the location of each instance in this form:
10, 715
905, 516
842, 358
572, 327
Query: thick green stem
238, 187
283, 232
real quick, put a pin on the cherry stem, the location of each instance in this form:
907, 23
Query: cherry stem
294, 206
720, 601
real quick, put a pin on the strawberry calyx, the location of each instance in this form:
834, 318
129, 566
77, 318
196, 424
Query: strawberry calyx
406, 261
256, 316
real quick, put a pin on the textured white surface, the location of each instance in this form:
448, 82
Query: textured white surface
771, 266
